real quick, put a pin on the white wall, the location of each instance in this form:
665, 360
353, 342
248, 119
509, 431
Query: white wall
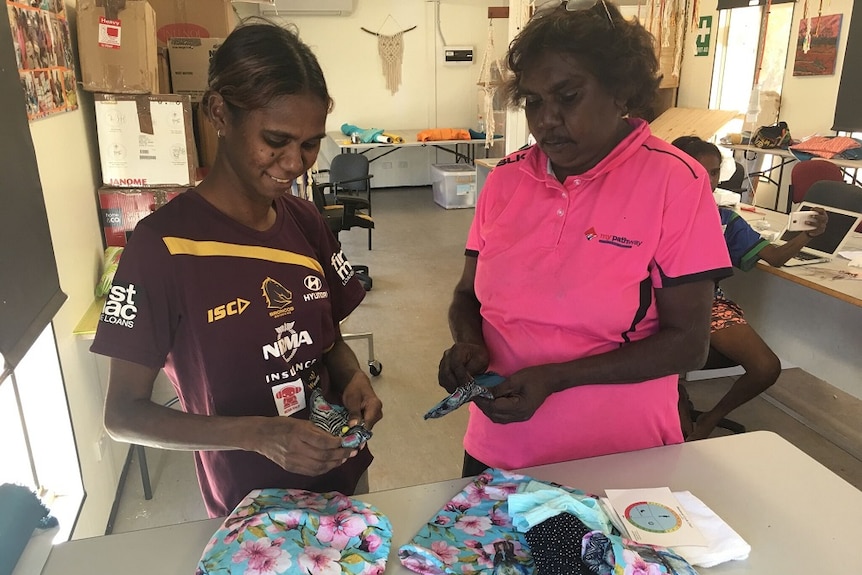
68, 168
432, 94
807, 102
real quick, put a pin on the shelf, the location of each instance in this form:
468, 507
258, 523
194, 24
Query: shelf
86, 327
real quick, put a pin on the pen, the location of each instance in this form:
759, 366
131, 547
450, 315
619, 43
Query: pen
749, 209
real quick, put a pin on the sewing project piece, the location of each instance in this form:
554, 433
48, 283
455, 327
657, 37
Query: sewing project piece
296, 531
472, 389
336, 420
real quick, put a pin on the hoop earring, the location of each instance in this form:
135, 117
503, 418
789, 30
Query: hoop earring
218, 133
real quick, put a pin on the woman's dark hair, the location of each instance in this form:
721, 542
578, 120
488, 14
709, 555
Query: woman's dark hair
620, 53
260, 61
695, 147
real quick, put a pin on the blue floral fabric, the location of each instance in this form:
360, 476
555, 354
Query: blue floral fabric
274, 531
471, 529
474, 534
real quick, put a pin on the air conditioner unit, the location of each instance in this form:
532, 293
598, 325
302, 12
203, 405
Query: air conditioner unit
307, 7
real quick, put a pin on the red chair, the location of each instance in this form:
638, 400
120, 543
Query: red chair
809, 171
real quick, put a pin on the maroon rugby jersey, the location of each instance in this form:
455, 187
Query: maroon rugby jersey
239, 319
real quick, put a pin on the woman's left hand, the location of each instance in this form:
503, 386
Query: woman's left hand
518, 397
361, 402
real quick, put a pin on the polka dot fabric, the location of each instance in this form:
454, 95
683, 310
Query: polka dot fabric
556, 546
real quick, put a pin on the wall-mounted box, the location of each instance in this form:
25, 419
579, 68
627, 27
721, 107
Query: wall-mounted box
458, 55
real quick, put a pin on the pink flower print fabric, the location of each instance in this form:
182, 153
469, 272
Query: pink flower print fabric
275, 531
467, 535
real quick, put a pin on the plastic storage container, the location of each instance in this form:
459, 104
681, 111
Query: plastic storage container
454, 185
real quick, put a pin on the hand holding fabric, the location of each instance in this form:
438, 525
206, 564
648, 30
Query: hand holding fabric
299, 446
518, 397
459, 363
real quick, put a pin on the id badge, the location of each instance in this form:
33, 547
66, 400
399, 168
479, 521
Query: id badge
289, 397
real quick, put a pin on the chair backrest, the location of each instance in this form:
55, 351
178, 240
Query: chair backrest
349, 167
839, 195
806, 173
734, 182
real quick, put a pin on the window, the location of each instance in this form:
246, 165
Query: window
38, 448
735, 69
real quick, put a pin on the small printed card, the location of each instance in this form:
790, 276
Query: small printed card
653, 516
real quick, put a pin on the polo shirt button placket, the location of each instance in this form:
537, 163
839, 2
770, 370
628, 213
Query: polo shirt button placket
560, 212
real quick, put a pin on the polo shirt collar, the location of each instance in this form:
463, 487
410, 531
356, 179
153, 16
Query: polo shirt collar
622, 152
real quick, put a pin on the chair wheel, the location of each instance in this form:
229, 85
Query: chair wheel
375, 367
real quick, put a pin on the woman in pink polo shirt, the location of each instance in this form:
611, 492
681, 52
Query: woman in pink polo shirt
591, 259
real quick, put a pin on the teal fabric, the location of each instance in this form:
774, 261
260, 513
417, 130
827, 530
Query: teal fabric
540, 501
367, 135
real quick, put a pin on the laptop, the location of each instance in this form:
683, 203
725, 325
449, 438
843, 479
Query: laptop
824, 247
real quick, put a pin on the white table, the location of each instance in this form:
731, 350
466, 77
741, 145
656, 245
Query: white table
809, 315
799, 517
463, 150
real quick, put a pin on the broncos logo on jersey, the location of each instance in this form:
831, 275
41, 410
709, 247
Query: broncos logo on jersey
277, 297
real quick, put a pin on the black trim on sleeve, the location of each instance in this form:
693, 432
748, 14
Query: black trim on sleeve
471, 253
645, 301
714, 274
674, 155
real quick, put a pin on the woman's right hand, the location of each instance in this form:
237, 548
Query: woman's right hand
299, 446
460, 362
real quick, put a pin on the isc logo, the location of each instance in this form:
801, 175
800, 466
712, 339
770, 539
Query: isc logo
235, 307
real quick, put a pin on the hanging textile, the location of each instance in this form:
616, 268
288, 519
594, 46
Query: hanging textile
391, 50
488, 85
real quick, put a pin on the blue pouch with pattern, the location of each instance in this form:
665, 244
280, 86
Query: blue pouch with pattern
274, 531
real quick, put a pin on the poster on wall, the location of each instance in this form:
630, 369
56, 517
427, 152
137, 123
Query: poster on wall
43, 49
817, 45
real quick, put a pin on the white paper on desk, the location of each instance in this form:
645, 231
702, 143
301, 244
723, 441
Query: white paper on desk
852, 255
654, 516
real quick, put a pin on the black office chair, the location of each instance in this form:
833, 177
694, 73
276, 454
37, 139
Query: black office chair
342, 213
839, 195
735, 182
348, 176
715, 360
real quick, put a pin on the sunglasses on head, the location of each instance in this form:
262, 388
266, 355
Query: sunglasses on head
575, 5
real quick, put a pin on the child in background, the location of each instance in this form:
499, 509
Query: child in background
731, 335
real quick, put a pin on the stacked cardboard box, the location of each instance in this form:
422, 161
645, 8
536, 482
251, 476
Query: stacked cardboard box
146, 134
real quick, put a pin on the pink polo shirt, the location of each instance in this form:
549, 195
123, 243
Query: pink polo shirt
570, 270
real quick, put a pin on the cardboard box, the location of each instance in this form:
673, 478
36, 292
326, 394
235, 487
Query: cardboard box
454, 185
207, 138
192, 19
117, 46
145, 141
122, 209
164, 72
190, 63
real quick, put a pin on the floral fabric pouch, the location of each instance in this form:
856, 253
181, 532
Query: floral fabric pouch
473, 533
275, 531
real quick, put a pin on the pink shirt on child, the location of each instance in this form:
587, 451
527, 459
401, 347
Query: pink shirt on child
570, 270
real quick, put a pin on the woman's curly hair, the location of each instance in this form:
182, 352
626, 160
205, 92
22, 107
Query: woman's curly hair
620, 53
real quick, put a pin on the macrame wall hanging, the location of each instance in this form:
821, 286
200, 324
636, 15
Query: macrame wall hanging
391, 50
665, 19
490, 76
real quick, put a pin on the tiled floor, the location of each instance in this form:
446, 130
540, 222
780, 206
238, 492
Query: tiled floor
416, 260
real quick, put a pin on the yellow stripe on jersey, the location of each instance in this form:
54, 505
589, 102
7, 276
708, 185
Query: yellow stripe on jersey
183, 246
